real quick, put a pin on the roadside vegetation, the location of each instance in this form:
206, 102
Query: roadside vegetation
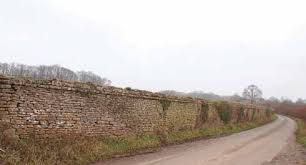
301, 132
212, 132
295, 110
73, 151
87, 150
298, 111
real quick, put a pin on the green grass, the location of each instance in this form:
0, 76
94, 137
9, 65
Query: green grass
301, 132
86, 150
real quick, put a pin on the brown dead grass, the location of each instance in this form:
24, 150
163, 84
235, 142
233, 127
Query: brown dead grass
86, 150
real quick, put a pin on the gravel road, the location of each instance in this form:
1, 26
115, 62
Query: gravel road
252, 147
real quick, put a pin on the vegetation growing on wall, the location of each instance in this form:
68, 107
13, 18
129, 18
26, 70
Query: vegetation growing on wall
204, 111
165, 105
240, 114
121, 108
162, 130
224, 111
128, 88
269, 112
203, 115
253, 113
85, 94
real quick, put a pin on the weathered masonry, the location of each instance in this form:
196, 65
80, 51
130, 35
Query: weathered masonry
48, 108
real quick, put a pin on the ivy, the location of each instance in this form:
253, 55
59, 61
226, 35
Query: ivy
253, 114
204, 112
165, 105
269, 112
224, 111
240, 114
203, 115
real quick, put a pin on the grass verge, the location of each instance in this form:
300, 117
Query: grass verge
74, 151
86, 150
301, 132
190, 135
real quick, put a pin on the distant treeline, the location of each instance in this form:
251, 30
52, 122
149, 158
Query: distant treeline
51, 72
203, 95
287, 107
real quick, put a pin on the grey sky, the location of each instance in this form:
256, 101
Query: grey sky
220, 46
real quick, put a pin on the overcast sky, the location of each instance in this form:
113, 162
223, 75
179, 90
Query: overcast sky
216, 46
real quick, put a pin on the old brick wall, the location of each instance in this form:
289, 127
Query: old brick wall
48, 108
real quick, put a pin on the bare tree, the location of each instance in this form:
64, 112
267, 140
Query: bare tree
252, 93
91, 77
4, 68
51, 72
274, 99
300, 101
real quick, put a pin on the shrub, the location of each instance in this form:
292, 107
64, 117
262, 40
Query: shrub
165, 105
204, 112
269, 112
240, 114
128, 88
224, 111
203, 115
253, 114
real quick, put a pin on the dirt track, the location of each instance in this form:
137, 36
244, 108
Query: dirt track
251, 147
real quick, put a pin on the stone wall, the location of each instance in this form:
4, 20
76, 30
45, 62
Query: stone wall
48, 108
